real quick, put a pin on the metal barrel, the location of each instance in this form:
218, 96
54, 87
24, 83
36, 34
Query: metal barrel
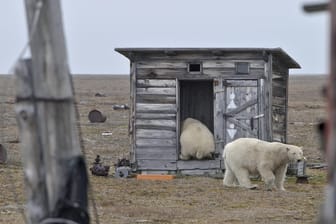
95, 116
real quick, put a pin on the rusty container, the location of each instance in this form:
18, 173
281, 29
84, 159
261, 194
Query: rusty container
95, 116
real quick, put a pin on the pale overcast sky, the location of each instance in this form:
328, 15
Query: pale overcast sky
93, 28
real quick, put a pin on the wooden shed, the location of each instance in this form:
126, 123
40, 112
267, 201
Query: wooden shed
236, 92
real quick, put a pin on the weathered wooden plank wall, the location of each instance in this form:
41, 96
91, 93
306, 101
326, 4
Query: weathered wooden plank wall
279, 100
211, 69
155, 123
156, 108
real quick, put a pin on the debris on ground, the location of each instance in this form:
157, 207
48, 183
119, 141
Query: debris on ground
98, 168
123, 168
120, 107
317, 165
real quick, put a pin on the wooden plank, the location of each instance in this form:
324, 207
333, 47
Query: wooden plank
219, 108
156, 91
156, 83
132, 114
178, 116
279, 84
278, 127
231, 64
198, 164
158, 72
200, 56
154, 153
155, 116
243, 126
267, 99
278, 75
161, 64
278, 137
155, 108
228, 71
155, 142
262, 107
240, 83
151, 99
279, 101
206, 73
241, 107
154, 177
152, 134
281, 110
203, 172
156, 124
279, 79
159, 165
205, 76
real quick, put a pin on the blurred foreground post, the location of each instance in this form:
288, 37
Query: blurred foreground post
329, 208
328, 211
55, 172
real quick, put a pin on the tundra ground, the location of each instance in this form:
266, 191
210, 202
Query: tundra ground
182, 200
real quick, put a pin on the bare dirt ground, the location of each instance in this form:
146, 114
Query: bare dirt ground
182, 200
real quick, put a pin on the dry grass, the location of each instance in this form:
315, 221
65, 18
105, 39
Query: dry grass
184, 199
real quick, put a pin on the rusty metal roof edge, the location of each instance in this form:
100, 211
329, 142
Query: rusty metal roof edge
131, 52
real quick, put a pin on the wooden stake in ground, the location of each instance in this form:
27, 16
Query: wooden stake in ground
47, 118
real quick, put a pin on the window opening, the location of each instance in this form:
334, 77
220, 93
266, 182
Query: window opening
242, 68
195, 67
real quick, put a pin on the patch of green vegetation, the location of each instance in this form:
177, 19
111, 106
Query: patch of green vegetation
318, 179
315, 177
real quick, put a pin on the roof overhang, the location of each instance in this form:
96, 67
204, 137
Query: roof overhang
133, 53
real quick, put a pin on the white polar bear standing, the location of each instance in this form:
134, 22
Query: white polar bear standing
250, 156
196, 140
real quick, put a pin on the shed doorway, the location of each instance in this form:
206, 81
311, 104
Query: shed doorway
196, 101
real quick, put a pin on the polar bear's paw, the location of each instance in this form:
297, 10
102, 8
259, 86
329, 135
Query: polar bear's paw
253, 187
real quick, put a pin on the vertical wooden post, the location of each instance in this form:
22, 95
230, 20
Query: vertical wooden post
46, 111
330, 206
37, 207
328, 211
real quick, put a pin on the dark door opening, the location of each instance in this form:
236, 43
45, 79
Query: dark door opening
196, 101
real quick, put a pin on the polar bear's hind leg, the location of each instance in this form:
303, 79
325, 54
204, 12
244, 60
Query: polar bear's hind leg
230, 179
244, 179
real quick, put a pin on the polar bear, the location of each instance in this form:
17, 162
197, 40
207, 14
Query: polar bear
251, 156
196, 140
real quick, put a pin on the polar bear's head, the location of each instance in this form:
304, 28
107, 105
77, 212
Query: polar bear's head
295, 153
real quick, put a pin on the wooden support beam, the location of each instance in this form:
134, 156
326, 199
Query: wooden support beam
328, 212
47, 117
31, 148
331, 132
317, 7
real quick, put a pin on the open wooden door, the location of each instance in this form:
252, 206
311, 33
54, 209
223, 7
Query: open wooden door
237, 110
241, 114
